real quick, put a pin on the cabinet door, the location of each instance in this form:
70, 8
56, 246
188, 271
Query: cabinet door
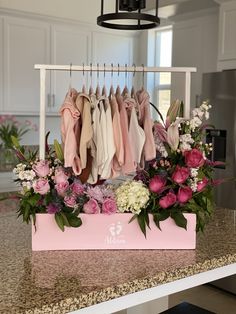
1, 64
26, 42
70, 45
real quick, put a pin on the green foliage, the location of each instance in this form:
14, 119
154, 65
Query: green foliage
58, 150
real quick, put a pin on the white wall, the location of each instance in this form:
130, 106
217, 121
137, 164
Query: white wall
80, 10
195, 44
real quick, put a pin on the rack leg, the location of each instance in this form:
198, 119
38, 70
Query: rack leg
42, 113
187, 94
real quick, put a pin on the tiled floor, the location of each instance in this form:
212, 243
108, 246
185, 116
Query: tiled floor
207, 297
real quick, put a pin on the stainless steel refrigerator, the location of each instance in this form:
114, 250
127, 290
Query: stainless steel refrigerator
220, 89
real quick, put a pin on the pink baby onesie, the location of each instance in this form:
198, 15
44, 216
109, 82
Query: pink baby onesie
129, 164
70, 131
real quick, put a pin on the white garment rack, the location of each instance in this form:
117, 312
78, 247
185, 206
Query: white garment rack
44, 67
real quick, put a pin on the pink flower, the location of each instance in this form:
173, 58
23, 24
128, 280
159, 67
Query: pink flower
60, 176
41, 168
201, 185
157, 183
62, 187
180, 174
168, 200
70, 201
91, 207
53, 208
184, 194
41, 186
109, 206
77, 188
96, 193
194, 158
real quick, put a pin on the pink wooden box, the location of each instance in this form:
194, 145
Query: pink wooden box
109, 232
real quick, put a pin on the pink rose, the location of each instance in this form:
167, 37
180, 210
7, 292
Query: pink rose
41, 186
184, 194
201, 184
194, 158
91, 207
70, 201
41, 168
77, 188
62, 187
60, 176
168, 200
180, 174
157, 183
109, 206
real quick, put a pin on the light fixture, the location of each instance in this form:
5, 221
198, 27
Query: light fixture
125, 10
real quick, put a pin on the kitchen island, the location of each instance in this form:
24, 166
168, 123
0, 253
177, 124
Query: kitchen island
106, 281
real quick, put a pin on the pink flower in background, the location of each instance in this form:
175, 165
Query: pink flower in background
41, 186
60, 176
194, 158
180, 174
28, 122
157, 183
35, 127
62, 187
109, 206
168, 200
53, 208
202, 184
77, 188
41, 168
184, 194
70, 201
91, 207
95, 193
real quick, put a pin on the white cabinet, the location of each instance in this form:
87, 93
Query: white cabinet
69, 45
1, 64
227, 42
26, 42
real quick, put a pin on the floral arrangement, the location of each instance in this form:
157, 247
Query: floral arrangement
180, 180
9, 127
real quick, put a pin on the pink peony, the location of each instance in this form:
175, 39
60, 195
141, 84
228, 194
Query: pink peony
41, 168
184, 194
77, 188
60, 176
168, 200
180, 174
41, 186
70, 201
53, 208
109, 206
156, 184
91, 207
202, 184
194, 158
62, 187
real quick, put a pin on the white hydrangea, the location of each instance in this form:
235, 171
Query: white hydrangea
132, 196
195, 122
19, 168
185, 142
28, 175
27, 185
197, 112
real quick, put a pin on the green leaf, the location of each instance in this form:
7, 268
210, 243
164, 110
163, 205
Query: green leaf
73, 220
58, 150
26, 213
59, 221
142, 223
147, 219
65, 220
33, 200
179, 219
160, 216
133, 218
15, 141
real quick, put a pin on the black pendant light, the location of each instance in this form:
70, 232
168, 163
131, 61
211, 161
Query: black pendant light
129, 10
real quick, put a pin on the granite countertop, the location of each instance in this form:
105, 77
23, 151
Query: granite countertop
63, 281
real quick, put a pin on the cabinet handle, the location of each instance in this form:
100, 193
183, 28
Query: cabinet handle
53, 100
49, 100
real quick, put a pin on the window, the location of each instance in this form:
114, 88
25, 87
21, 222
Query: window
163, 58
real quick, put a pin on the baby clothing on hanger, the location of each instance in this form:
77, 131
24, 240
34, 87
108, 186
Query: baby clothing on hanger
70, 131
